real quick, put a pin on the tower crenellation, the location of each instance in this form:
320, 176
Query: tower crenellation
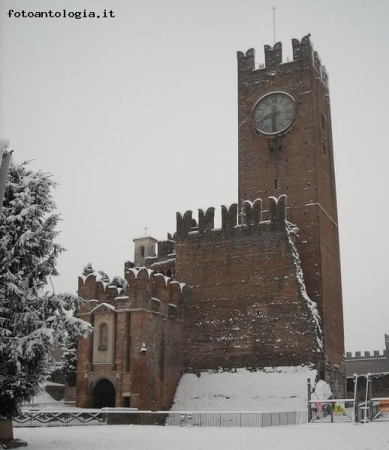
246, 61
252, 212
317, 62
206, 219
233, 223
143, 284
229, 218
278, 212
303, 52
273, 55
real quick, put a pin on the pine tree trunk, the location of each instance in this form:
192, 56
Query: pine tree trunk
7, 435
6, 431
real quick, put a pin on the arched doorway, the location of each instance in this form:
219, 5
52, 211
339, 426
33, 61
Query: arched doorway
104, 394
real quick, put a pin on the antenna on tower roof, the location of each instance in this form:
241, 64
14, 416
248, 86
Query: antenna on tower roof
274, 24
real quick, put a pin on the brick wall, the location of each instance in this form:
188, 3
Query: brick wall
302, 163
243, 303
150, 377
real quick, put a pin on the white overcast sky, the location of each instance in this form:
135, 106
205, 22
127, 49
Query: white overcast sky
136, 118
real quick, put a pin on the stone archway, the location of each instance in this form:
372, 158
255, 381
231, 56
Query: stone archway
104, 394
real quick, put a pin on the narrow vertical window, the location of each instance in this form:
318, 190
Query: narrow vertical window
103, 337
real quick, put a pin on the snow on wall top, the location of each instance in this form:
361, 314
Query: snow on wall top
275, 389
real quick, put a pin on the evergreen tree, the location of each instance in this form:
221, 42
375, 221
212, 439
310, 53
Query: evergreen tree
103, 276
32, 321
87, 270
70, 349
119, 282
69, 360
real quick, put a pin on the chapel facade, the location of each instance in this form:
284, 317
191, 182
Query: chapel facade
264, 289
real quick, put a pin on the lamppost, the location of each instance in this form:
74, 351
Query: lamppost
143, 385
5, 158
366, 396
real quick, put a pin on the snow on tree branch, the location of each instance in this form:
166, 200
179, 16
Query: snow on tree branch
32, 321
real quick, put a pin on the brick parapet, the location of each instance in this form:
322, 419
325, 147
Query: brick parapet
367, 355
143, 285
234, 223
303, 54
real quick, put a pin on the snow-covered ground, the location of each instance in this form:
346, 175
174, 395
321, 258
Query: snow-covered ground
372, 436
273, 389
276, 389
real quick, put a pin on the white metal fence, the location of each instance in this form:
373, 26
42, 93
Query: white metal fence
38, 418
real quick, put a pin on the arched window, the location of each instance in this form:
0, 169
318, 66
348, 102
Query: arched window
103, 337
142, 251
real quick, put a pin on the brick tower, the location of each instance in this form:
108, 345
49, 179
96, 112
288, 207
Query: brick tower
285, 147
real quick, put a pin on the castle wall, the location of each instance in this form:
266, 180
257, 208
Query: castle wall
243, 302
367, 362
144, 360
257, 294
362, 366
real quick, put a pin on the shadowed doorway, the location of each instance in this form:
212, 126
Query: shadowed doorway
104, 394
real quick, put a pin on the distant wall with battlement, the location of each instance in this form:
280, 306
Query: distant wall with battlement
244, 302
365, 362
367, 354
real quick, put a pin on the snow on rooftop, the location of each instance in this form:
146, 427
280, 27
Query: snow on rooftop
275, 389
145, 236
107, 305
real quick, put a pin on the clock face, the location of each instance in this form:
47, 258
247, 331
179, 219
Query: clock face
274, 113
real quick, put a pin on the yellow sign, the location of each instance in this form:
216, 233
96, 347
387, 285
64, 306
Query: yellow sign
339, 409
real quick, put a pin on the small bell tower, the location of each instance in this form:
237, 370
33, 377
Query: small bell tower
143, 247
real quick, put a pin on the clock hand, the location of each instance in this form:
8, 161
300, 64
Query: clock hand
273, 122
266, 117
274, 115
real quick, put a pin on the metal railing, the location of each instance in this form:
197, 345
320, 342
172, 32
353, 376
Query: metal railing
60, 418
236, 419
348, 410
36, 418
331, 410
